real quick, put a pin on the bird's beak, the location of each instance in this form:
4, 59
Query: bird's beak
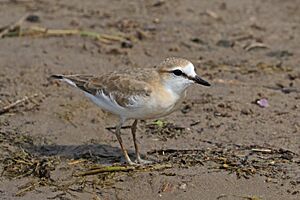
199, 80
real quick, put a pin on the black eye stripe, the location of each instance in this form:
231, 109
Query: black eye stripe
177, 72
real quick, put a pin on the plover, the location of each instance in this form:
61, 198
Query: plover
138, 94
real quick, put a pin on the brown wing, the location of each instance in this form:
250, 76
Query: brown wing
119, 86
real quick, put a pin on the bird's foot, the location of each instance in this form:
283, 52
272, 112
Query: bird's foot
139, 162
143, 162
131, 163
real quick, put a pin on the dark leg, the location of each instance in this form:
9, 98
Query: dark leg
118, 134
137, 152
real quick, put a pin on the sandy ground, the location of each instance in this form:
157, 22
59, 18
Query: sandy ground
220, 144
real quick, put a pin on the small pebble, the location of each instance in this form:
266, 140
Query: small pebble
126, 44
156, 20
279, 54
159, 3
183, 186
33, 18
225, 43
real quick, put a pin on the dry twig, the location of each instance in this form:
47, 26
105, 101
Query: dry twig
255, 45
38, 31
12, 27
7, 108
123, 169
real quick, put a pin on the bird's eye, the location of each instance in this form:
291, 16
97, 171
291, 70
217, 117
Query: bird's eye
177, 72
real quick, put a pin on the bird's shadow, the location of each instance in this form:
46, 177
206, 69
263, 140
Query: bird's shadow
98, 153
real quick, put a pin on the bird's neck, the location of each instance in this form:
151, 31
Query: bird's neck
178, 89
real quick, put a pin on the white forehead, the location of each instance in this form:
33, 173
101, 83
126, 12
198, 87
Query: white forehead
188, 69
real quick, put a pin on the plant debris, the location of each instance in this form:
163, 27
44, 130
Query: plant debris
10, 106
244, 161
36, 31
13, 27
16, 30
255, 45
165, 130
103, 169
21, 164
85, 174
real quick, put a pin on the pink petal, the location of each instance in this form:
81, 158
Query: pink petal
262, 103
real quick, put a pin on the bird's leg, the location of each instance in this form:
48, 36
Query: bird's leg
133, 131
118, 134
137, 152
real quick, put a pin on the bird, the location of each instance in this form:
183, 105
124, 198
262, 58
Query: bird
138, 93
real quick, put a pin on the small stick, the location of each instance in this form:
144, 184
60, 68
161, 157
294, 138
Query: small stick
42, 31
113, 127
22, 191
5, 109
212, 14
75, 162
124, 169
262, 150
255, 45
28, 188
107, 169
12, 26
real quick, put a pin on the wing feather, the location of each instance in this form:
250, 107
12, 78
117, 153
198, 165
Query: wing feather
123, 88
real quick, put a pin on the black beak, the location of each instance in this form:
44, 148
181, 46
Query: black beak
200, 81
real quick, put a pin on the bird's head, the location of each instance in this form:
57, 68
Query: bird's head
177, 74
